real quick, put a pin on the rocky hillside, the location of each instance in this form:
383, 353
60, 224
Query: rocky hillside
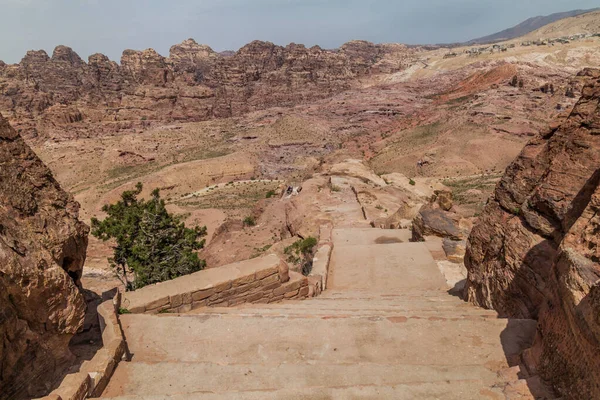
42, 93
536, 249
42, 251
528, 26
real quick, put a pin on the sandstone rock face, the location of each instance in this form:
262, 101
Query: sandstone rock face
42, 251
194, 83
536, 249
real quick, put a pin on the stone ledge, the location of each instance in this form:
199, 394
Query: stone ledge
320, 269
259, 280
93, 376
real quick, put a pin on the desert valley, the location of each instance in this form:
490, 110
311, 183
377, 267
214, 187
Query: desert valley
452, 194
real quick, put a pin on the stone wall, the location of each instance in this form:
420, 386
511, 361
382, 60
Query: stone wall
93, 375
259, 280
320, 268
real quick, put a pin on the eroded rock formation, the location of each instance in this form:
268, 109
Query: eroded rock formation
42, 251
535, 252
194, 83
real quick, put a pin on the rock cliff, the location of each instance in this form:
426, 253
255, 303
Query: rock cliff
536, 249
42, 251
194, 83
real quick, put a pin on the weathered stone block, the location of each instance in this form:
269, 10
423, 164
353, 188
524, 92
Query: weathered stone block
176, 300
186, 298
248, 287
158, 303
203, 294
251, 298
74, 386
290, 286
270, 280
137, 310
219, 303
184, 308
270, 287
289, 295
244, 280
275, 299
304, 291
116, 349
199, 304
284, 272
280, 291
236, 301
223, 286
266, 272
325, 233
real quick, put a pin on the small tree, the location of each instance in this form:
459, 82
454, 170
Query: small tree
151, 244
514, 81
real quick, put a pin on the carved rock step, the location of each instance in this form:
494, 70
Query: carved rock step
389, 268
370, 236
273, 341
319, 308
427, 391
146, 379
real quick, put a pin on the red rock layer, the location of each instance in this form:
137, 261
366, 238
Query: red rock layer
535, 252
194, 83
42, 251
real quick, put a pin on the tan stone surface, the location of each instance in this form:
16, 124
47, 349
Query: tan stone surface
386, 326
202, 284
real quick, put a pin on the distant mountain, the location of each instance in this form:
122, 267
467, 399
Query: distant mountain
528, 26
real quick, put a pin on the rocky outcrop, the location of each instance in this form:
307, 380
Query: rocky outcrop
437, 218
535, 252
194, 83
42, 251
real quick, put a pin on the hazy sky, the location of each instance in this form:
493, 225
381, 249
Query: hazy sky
110, 26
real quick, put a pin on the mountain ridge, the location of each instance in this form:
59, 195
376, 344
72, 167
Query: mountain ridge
528, 26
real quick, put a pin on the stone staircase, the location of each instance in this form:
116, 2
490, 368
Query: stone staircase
386, 328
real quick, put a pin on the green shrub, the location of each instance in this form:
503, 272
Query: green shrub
301, 253
249, 221
411, 182
270, 193
335, 188
152, 245
123, 311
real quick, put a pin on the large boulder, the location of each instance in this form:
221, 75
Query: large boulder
535, 252
42, 251
432, 220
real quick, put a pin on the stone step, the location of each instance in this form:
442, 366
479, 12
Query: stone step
146, 379
335, 340
370, 236
406, 294
389, 268
432, 314
453, 390
381, 306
